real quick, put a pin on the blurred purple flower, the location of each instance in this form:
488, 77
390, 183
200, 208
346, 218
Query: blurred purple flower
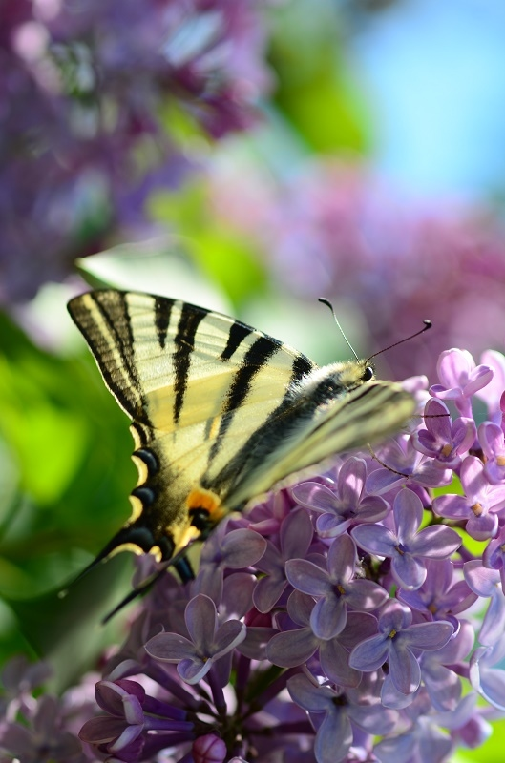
336, 588
334, 228
43, 741
345, 504
395, 642
442, 439
407, 546
84, 137
481, 504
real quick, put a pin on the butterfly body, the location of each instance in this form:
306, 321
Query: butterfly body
220, 411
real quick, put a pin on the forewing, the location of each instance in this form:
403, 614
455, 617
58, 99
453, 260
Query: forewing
196, 384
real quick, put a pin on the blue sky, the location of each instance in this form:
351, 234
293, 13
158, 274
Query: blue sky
433, 72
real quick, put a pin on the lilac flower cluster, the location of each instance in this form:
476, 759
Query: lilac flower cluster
92, 93
352, 617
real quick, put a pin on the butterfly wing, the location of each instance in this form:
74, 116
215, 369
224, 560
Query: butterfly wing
221, 412
196, 385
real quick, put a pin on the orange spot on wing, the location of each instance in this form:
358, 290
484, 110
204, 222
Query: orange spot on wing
201, 498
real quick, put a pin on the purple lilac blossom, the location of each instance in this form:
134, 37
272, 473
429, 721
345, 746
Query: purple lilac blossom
84, 138
370, 644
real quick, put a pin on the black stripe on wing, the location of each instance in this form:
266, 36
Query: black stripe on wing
256, 357
190, 319
283, 414
112, 347
162, 312
238, 332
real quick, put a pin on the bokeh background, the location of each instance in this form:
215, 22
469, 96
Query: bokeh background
249, 156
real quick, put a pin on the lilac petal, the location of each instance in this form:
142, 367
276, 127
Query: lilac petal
451, 506
399, 748
472, 477
170, 647
488, 681
394, 617
373, 718
483, 527
100, 730
493, 390
341, 559
438, 420
480, 376
333, 738
375, 539
307, 577
372, 509
335, 664
316, 497
351, 481
404, 669
237, 595
454, 367
435, 542
371, 654
440, 392
360, 625
296, 534
383, 479
200, 617
482, 580
393, 698
242, 548
408, 514
330, 526
309, 696
291, 648
463, 434
428, 635
268, 592
192, 671
229, 635
408, 571
494, 621
329, 617
364, 594
299, 607
255, 642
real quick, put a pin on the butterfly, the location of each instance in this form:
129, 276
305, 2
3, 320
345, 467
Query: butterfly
220, 412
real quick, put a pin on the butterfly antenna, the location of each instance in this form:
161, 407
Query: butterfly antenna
426, 327
330, 306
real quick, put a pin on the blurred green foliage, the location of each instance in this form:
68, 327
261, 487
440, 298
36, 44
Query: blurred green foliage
65, 477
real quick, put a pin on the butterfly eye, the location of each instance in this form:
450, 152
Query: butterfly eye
368, 374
